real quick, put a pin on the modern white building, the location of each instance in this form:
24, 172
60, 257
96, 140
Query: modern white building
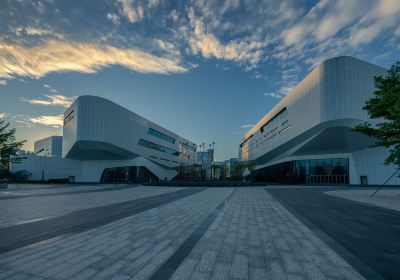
307, 138
48, 147
103, 141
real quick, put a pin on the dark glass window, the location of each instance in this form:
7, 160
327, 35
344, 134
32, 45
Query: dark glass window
161, 135
313, 171
274, 121
157, 147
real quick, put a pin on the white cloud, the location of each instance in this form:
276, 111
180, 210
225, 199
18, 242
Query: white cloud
52, 100
52, 121
113, 17
282, 91
153, 3
33, 31
3, 82
62, 56
133, 14
397, 31
382, 16
247, 126
3, 115
343, 13
29, 121
345, 25
168, 47
274, 95
208, 45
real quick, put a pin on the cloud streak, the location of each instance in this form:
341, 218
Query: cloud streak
208, 45
52, 100
62, 56
52, 121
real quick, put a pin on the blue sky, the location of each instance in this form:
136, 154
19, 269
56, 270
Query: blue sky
206, 70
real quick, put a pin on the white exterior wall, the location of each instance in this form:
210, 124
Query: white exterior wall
100, 134
98, 119
332, 94
50, 167
368, 162
49, 147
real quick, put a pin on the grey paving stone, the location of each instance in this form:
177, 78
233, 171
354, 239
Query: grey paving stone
253, 237
185, 270
240, 269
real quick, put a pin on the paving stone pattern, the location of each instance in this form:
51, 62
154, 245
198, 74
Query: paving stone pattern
132, 248
256, 238
253, 237
16, 211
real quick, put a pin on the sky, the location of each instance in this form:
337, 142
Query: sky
205, 69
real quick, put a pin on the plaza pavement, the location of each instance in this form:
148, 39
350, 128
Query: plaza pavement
214, 233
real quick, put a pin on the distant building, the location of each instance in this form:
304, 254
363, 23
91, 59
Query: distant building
307, 138
230, 166
104, 142
206, 158
49, 147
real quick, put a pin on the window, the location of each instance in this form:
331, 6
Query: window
161, 135
157, 147
188, 147
69, 117
241, 145
274, 120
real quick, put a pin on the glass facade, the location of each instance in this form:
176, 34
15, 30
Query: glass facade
157, 147
134, 174
311, 171
161, 135
188, 147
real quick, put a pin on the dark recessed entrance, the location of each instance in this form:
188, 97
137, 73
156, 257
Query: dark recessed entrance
134, 174
311, 171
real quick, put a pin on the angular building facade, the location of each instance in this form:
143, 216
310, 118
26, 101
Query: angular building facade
103, 141
307, 138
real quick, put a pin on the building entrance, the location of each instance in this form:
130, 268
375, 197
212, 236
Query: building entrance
329, 179
134, 174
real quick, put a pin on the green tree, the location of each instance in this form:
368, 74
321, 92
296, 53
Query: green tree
251, 165
8, 148
385, 106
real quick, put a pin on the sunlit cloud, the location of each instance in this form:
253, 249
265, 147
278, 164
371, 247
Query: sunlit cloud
3, 115
247, 126
133, 13
32, 121
52, 100
52, 121
63, 56
208, 45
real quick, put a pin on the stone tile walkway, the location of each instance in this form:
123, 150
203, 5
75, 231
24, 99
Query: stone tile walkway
252, 237
16, 211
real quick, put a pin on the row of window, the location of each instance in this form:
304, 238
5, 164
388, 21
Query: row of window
188, 147
69, 117
275, 120
267, 136
157, 147
161, 135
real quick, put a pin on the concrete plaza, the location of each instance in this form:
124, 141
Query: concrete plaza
142, 232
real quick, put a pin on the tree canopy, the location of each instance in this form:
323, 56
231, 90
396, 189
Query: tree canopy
385, 106
9, 146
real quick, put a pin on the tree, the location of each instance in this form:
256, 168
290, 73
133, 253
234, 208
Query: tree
385, 105
8, 147
251, 165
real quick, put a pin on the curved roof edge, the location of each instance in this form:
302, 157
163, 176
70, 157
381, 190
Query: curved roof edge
249, 133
